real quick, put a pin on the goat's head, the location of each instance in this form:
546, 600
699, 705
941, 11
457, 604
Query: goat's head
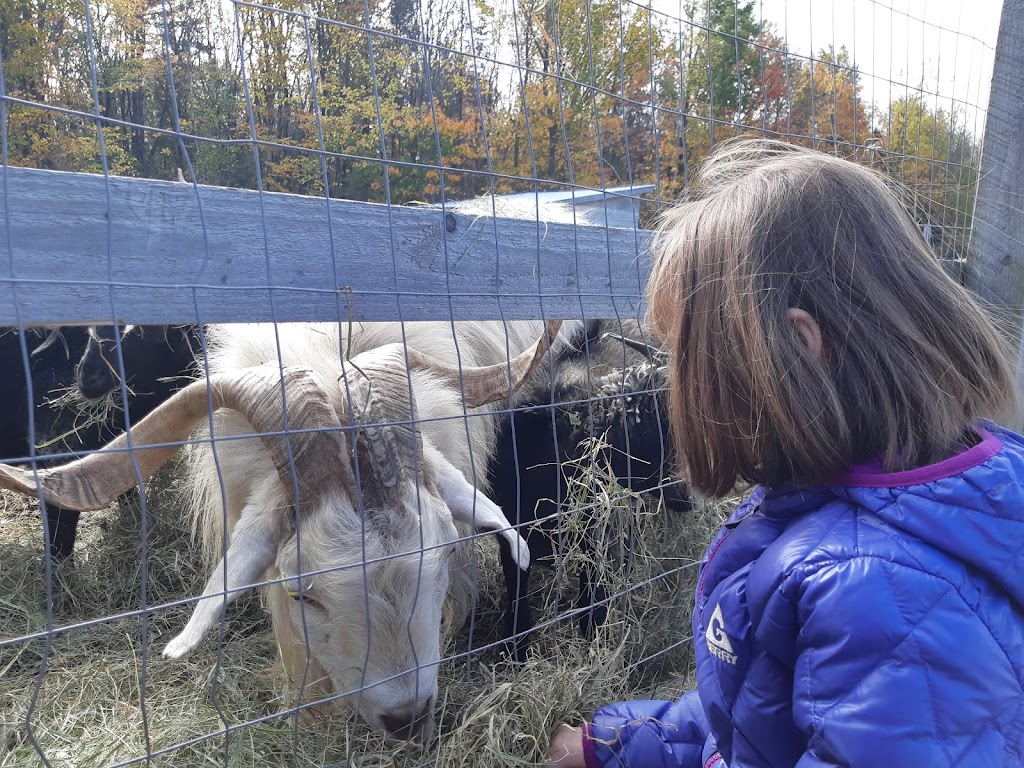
97, 373
365, 593
356, 533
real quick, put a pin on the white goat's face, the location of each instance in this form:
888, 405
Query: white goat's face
369, 604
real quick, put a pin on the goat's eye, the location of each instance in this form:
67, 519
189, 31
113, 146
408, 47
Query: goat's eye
305, 599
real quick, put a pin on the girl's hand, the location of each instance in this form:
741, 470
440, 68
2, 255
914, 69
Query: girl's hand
566, 750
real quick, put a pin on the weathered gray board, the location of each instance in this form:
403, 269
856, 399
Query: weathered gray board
81, 248
997, 241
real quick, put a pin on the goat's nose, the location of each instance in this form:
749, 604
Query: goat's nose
95, 381
407, 725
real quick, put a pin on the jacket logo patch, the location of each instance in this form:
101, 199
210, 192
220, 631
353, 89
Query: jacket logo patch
718, 642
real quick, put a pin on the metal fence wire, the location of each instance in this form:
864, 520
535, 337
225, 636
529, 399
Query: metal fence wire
310, 546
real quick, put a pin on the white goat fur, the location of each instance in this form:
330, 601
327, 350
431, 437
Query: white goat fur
485, 207
374, 626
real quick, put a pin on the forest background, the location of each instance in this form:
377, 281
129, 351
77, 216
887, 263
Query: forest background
408, 101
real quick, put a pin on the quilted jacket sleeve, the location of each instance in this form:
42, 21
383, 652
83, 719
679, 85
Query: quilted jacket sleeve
875, 683
651, 734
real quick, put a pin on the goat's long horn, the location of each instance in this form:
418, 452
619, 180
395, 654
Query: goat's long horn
320, 456
647, 350
52, 338
315, 446
381, 407
382, 410
488, 383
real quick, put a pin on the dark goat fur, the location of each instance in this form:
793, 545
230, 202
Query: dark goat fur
157, 360
602, 389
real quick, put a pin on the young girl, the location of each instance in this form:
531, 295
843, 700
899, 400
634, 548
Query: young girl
865, 605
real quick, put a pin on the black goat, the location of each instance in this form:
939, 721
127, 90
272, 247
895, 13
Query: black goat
76, 394
604, 404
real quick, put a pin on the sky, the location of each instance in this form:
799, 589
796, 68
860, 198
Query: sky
946, 46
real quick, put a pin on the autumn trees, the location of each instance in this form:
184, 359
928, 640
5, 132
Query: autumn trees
411, 101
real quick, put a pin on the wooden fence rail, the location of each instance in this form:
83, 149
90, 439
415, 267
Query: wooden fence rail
80, 248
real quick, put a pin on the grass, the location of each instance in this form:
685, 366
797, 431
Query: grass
100, 694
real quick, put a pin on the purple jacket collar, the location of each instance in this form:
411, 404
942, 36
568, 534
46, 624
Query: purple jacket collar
870, 474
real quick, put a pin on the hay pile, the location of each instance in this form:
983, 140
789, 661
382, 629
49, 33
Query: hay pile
86, 707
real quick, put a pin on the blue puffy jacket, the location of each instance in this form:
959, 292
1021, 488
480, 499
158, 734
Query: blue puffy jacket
877, 620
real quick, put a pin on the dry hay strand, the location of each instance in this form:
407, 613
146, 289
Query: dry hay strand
78, 696
80, 415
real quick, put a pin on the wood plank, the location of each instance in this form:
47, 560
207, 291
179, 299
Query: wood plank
163, 252
996, 255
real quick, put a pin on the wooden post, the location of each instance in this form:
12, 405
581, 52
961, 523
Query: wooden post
996, 264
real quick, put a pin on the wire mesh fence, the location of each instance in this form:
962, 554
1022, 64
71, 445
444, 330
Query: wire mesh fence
346, 503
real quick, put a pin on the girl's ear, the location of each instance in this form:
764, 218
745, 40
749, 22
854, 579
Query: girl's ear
807, 327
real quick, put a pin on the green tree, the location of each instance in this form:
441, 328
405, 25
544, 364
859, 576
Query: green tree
932, 153
725, 65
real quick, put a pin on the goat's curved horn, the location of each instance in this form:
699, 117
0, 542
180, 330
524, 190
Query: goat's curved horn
320, 456
647, 350
318, 448
488, 383
52, 338
383, 412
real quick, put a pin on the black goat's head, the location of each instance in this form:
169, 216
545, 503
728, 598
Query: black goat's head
97, 374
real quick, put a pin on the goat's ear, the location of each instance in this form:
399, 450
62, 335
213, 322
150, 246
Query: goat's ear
471, 507
253, 545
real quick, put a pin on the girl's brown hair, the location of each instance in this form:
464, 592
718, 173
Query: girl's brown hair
910, 360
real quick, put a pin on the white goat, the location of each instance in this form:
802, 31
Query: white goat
352, 499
